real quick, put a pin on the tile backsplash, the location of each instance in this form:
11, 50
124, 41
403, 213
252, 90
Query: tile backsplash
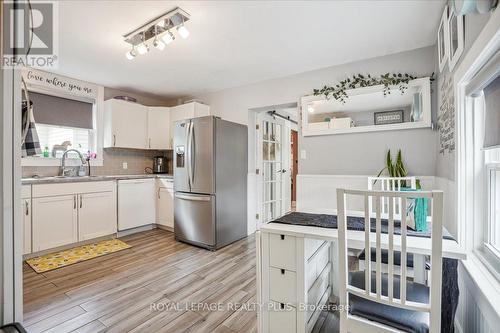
137, 161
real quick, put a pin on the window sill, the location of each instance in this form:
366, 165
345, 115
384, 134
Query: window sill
50, 161
486, 282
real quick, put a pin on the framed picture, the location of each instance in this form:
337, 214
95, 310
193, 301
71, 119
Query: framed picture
443, 40
456, 38
388, 117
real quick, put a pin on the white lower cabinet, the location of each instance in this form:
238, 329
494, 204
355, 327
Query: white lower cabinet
55, 221
165, 207
95, 218
26, 214
67, 213
165, 203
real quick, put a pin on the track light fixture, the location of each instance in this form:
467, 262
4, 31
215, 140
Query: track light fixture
157, 32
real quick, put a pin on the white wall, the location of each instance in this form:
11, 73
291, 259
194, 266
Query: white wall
359, 154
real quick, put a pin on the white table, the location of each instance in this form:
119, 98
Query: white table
416, 245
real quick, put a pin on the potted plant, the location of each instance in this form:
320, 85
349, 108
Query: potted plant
397, 168
417, 207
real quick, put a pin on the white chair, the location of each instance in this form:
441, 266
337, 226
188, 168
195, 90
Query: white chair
391, 184
388, 303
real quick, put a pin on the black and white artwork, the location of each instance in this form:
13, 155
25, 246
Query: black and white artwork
446, 114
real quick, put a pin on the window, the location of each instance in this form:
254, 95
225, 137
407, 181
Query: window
483, 101
51, 136
63, 123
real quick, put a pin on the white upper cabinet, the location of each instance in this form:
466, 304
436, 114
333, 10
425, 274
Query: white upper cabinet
369, 109
189, 110
132, 125
186, 111
159, 128
125, 124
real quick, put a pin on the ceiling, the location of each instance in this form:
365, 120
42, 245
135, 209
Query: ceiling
235, 43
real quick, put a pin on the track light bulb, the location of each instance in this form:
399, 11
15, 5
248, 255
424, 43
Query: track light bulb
168, 37
130, 54
159, 44
143, 49
183, 31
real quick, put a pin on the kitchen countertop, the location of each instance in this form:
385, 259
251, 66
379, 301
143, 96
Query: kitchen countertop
59, 179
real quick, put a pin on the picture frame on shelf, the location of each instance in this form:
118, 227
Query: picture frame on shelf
456, 32
388, 117
443, 40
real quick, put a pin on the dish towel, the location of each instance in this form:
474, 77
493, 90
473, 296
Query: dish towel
31, 144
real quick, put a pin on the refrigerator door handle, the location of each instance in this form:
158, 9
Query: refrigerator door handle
192, 198
193, 153
188, 153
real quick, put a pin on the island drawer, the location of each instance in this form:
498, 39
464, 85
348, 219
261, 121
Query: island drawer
282, 251
282, 286
282, 318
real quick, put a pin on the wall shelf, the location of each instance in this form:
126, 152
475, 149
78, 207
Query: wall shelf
361, 105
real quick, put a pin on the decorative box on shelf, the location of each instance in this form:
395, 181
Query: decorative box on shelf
341, 123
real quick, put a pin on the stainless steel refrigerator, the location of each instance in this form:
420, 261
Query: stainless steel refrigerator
210, 181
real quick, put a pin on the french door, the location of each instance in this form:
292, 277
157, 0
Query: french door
273, 168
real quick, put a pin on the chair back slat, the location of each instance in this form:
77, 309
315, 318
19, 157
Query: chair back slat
403, 255
378, 250
390, 261
391, 184
391, 242
368, 277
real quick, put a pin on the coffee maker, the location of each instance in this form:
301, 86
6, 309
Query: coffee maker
159, 164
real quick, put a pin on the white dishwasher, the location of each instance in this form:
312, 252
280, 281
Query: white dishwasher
136, 203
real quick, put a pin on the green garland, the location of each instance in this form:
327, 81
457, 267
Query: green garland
359, 81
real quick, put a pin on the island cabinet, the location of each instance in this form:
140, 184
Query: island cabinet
295, 281
68, 213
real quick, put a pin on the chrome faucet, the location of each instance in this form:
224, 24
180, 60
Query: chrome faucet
63, 170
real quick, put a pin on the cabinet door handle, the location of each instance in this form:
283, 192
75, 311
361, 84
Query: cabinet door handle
26, 203
74, 202
149, 142
158, 193
81, 200
114, 140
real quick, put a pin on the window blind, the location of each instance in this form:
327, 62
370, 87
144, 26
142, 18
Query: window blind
492, 114
58, 111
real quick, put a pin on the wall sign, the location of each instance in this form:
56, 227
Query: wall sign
388, 117
446, 114
59, 83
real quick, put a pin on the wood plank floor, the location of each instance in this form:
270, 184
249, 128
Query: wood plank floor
158, 285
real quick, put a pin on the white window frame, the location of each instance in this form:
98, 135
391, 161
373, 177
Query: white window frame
472, 206
96, 138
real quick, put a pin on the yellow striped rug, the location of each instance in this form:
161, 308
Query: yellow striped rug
60, 259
